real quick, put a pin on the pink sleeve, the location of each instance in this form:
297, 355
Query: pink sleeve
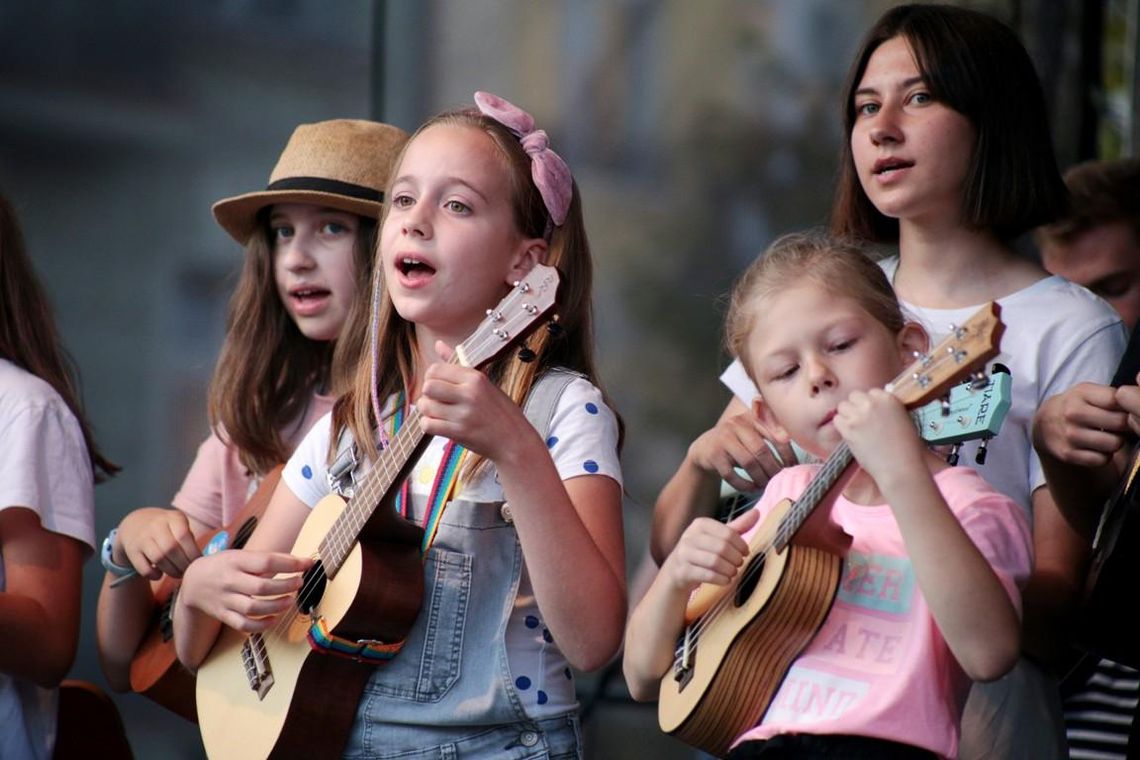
217, 485
1000, 530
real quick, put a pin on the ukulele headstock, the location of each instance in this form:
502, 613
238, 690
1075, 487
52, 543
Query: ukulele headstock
970, 410
514, 316
969, 345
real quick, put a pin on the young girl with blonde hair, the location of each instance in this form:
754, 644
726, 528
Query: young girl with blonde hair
932, 555
477, 201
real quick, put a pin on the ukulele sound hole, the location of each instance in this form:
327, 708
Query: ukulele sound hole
313, 588
752, 572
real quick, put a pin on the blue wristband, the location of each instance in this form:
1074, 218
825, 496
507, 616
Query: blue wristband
106, 556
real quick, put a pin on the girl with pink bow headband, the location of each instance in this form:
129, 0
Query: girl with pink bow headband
478, 201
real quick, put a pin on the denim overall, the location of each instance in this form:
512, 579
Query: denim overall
449, 693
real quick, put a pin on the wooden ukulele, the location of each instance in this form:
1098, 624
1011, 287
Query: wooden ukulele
155, 670
271, 694
970, 411
741, 639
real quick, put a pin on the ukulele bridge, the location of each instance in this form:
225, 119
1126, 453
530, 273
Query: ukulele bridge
255, 661
683, 665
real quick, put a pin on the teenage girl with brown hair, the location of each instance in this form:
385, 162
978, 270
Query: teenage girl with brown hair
308, 238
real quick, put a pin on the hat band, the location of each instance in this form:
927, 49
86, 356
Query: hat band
322, 185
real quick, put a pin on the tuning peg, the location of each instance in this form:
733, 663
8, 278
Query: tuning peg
979, 380
526, 355
554, 328
952, 457
980, 457
945, 406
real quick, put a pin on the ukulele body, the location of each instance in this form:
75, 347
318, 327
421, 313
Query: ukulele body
752, 634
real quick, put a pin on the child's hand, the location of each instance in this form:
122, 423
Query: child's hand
1083, 426
740, 440
709, 552
460, 403
156, 541
239, 589
880, 434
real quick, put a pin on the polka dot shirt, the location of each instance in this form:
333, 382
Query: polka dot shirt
582, 441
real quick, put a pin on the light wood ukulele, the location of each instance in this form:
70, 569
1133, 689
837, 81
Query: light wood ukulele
741, 639
155, 670
272, 694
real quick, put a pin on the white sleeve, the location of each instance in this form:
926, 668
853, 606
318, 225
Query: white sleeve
45, 467
738, 381
306, 472
583, 435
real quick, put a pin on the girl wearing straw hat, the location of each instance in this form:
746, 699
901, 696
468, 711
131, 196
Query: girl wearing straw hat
308, 241
48, 462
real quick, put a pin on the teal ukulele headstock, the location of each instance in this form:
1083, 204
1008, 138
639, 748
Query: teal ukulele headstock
970, 411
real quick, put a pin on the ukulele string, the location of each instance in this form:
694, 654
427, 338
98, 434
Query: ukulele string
337, 542
823, 480
787, 528
341, 536
932, 361
346, 527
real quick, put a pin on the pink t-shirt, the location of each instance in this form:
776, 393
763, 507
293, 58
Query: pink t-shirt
218, 485
879, 666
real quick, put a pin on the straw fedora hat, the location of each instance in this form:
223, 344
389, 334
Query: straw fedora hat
342, 164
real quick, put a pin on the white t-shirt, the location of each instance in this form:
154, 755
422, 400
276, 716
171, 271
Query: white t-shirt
44, 466
582, 440
1057, 334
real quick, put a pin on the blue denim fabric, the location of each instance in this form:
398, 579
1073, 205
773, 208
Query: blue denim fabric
551, 739
449, 693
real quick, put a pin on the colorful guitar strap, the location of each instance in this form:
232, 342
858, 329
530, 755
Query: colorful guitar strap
446, 478
447, 475
539, 409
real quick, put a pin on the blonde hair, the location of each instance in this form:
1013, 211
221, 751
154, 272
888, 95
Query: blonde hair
839, 266
568, 250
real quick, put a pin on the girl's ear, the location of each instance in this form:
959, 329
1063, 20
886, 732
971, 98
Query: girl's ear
530, 252
765, 414
912, 338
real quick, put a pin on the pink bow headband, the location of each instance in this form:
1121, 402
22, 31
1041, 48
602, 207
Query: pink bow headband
550, 173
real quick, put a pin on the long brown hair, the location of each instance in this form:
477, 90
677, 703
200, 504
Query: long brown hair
28, 336
568, 251
268, 370
975, 65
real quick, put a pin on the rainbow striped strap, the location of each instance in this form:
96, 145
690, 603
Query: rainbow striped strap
368, 651
446, 477
403, 501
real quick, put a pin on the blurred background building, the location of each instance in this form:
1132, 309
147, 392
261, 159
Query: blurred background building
698, 130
